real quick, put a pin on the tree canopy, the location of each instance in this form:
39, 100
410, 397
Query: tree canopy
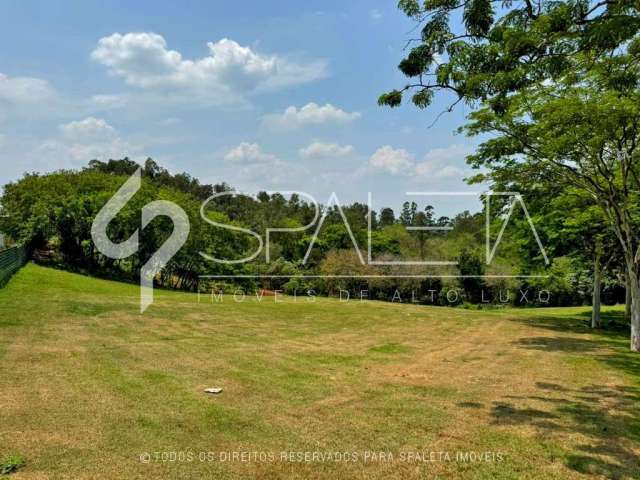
555, 86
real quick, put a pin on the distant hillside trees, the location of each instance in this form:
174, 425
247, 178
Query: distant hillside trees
52, 214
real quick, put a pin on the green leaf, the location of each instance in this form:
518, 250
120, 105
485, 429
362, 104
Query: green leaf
391, 99
478, 17
423, 98
418, 61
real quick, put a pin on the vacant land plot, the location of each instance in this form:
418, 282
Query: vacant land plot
89, 388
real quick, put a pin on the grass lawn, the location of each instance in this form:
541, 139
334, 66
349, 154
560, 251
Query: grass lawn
91, 389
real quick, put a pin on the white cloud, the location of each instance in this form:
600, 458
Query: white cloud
440, 162
81, 152
323, 150
375, 14
437, 162
228, 73
395, 161
428, 170
89, 128
25, 90
310, 114
87, 139
273, 173
248, 152
251, 164
108, 102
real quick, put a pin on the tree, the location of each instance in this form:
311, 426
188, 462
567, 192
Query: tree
55, 211
429, 213
408, 213
471, 271
572, 225
556, 84
498, 51
586, 226
387, 217
421, 220
342, 270
582, 136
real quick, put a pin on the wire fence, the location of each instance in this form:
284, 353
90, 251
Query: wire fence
11, 260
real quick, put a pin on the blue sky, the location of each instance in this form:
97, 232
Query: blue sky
262, 95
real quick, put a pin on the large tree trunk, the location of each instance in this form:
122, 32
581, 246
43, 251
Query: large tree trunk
635, 309
627, 298
597, 282
623, 228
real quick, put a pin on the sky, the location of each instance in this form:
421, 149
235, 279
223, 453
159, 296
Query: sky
275, 96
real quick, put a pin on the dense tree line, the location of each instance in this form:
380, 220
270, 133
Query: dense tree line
52, 214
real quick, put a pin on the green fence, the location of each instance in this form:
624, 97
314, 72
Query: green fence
11, 260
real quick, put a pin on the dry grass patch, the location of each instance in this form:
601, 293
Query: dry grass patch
87, 386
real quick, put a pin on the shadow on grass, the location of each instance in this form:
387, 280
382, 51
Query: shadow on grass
607, 416
560, 344
611, 320
610, 346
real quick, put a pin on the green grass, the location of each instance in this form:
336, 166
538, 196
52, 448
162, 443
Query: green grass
11, 464
88, 385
